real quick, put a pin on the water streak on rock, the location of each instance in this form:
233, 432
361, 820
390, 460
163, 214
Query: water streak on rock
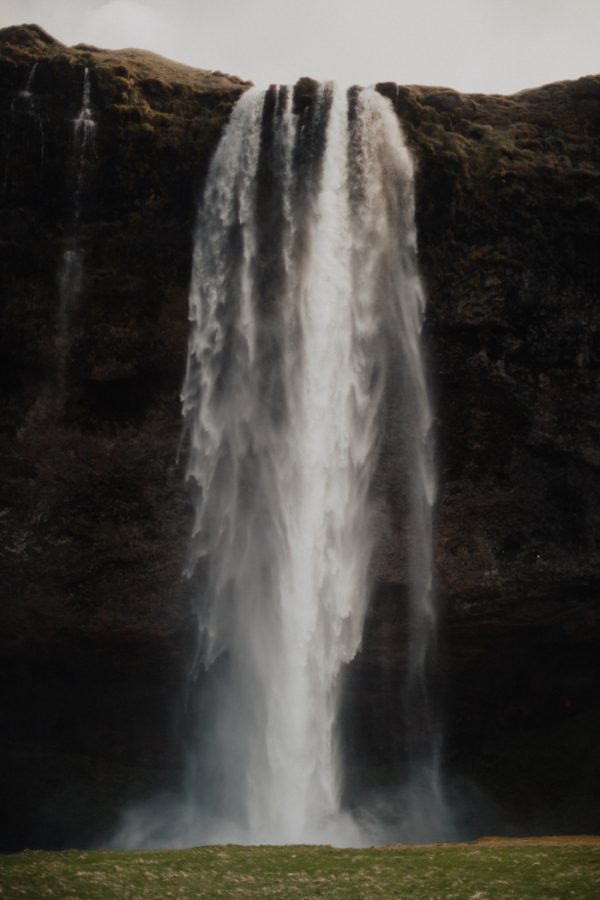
71, 271
24, 103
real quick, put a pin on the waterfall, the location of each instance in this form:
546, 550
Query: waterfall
306, 310
304, 250
24, 103
71, 269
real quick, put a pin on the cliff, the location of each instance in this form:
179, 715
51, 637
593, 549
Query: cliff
508, 211
94, 518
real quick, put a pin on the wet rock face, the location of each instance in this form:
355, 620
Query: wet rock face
94, 618
75, 491
508, 197
94, 517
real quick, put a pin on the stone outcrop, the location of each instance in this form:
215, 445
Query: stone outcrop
94, 614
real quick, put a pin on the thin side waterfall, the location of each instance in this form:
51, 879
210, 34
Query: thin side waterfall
304, 283
27, 92
71, 269
24, 104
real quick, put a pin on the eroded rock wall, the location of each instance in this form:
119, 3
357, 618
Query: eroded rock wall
508, 210
94, 519
94, 516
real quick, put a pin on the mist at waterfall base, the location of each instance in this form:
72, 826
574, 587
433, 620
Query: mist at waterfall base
306, 309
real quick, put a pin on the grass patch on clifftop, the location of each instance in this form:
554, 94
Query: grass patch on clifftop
484, 870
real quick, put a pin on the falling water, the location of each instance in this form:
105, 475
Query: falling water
27, 92
304, 252
24, 103
71, 270
304, 285
416, 810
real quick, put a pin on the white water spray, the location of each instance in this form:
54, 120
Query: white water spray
415, 809
304, 264
283, 442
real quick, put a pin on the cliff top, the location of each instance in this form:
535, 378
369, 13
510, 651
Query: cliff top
29, 42
24, 43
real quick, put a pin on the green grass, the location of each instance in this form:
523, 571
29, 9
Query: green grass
485, 870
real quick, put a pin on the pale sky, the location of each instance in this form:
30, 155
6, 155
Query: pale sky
471, 45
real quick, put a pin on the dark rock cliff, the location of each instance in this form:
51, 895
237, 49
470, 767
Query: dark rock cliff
94, 614
508, 209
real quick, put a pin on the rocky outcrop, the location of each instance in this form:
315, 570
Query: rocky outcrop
94, 614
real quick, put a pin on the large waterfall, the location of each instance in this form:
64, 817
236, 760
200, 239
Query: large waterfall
304, 284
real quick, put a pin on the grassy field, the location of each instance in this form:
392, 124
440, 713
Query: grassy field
488, 869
